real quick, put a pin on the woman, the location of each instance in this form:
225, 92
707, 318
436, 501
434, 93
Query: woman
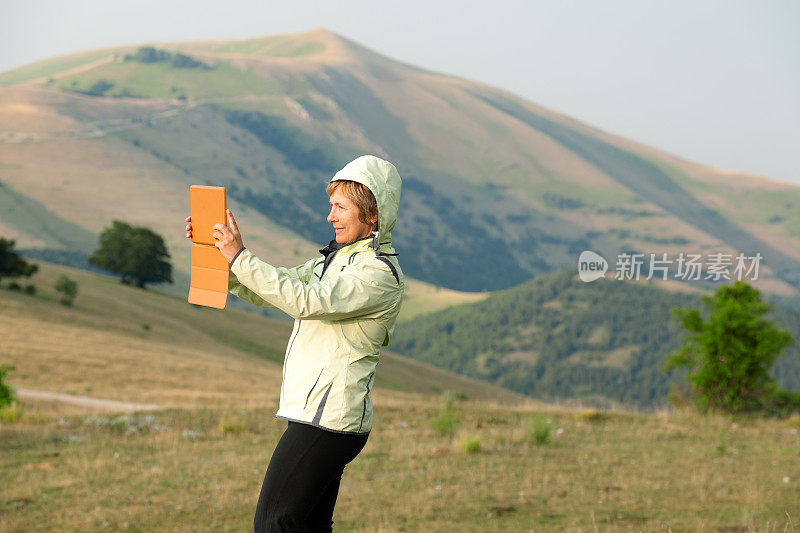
344, 304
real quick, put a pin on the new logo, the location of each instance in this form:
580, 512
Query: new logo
591, 266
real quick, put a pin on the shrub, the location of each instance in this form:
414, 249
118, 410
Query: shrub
183, 61
539, 429
729, 355
445, 420
68, 289
148, 54
30, 289
99, 88
6, 392
471, 445
232, 425
449, 396
593, 416
11, 413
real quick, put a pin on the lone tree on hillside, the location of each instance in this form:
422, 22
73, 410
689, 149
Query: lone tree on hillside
137, 254
730, 354
11, 264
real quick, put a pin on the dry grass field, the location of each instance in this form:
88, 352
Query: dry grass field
200, 469
196, 464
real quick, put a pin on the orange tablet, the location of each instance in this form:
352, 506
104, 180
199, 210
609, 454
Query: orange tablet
208, 283
208, 206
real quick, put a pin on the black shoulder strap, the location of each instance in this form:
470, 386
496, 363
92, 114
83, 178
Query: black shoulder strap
394, 270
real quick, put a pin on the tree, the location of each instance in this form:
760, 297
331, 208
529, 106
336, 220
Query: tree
68, 288
730, 354
11, 264
138, 254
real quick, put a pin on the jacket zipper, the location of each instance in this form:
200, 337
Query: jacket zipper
364, 411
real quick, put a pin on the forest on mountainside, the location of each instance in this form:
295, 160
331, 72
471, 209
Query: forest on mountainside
557, 338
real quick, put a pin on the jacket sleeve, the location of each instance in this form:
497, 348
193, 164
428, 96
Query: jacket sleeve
364, 290
300, 272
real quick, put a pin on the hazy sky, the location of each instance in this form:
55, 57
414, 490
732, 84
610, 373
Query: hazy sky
714, 82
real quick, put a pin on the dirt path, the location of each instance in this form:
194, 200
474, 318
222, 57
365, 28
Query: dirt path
85, 401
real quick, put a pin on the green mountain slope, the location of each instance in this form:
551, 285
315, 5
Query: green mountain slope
651, 182
557, 338
496, 189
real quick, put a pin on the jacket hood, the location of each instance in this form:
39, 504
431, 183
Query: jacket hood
380, 177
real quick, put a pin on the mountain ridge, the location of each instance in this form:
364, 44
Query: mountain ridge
477, 175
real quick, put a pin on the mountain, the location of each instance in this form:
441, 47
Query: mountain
496, 189
556, 338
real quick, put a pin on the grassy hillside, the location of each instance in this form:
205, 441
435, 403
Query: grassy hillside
161, 79
504, 186
122, 343
42, 226
557, 337
52, 67
421, 298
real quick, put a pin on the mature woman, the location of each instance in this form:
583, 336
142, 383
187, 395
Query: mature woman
344, 304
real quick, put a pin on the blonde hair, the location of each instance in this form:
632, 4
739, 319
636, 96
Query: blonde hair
360, 195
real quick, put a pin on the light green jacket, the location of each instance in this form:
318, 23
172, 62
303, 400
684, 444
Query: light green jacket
344, 305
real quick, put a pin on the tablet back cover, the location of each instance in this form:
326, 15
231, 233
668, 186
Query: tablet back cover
207, 205
208, 283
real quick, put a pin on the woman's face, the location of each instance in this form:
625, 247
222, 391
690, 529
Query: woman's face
344, 217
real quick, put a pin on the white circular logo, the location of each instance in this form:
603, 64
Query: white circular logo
591, 266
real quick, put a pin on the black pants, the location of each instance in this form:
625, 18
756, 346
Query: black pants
302, 480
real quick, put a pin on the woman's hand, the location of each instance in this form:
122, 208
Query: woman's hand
189, 227
228, 239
